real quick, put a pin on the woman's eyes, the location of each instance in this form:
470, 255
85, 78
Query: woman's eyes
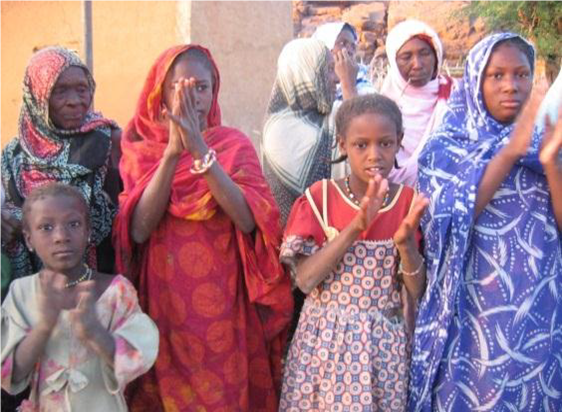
75, 224
202, 87
499, 76
45, 228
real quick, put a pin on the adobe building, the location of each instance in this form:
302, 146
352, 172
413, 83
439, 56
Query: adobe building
245, 38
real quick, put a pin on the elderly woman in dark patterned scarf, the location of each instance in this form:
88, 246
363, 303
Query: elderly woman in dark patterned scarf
61, 139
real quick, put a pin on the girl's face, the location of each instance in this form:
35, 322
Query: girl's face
70, 99
506, 83
371, 144
416, 62
186, 68
58, 231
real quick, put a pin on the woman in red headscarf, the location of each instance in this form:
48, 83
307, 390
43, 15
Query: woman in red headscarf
198, 233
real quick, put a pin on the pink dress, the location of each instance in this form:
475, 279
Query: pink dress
70, 376
350, 349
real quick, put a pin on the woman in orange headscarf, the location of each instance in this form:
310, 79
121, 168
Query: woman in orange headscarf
197, 232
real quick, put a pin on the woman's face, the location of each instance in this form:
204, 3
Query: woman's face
345, 40
186, 68
506, 83
70, 99
416, 62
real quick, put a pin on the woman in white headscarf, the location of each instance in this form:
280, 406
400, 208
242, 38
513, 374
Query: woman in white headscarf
414, 82
341, 39
297, 136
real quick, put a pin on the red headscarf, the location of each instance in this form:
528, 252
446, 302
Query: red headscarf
143, 145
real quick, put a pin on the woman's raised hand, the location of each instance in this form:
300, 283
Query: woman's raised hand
186, 118
371, 202
405, 236
175, 145
345, 67
522, 134
552, 143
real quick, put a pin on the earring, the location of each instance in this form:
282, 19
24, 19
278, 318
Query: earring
30, 249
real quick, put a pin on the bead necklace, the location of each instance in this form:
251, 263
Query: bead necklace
357, 201
86, 276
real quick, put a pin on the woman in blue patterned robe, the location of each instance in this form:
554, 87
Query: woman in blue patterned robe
489, 328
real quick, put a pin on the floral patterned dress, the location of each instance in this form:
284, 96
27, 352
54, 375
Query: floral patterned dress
69, 376
350, 350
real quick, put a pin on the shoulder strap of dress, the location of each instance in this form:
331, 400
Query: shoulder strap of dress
329, 231
412, 201
315, 208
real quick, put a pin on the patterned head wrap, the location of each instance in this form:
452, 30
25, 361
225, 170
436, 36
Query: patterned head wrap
42, 153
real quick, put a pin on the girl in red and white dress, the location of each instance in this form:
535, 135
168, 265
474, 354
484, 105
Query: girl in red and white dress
353, 248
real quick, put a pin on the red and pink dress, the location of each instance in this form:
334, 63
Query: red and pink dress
350, 350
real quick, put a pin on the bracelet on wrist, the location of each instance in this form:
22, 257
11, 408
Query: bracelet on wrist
200, 166
415, 272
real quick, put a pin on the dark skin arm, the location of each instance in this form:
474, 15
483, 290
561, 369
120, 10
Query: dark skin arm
500, 166
410, 257
185, 135
346, 70
549, 158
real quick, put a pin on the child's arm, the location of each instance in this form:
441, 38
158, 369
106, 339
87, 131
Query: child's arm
503, 162
314, 269
412, 263
50, 300
227, 194
87, 327
549, 157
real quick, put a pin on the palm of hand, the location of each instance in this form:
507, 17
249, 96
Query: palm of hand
523, 131
406, 233
184, 115
53, 296
84, 317
372, 201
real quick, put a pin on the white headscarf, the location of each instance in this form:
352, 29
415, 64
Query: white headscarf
297, 137
328, 33
422, 107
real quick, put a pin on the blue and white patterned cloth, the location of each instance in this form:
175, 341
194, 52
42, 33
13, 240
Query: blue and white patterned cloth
489, 329
363, 83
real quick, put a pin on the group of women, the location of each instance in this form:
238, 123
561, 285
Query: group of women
197, 226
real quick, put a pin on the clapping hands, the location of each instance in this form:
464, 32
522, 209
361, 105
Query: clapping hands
185, 125
371, 202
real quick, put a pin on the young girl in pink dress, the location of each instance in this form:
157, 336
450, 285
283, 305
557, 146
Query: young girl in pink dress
76, 336
353, 247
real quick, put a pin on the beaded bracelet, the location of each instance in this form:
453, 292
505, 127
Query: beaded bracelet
202, 165
415, 272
